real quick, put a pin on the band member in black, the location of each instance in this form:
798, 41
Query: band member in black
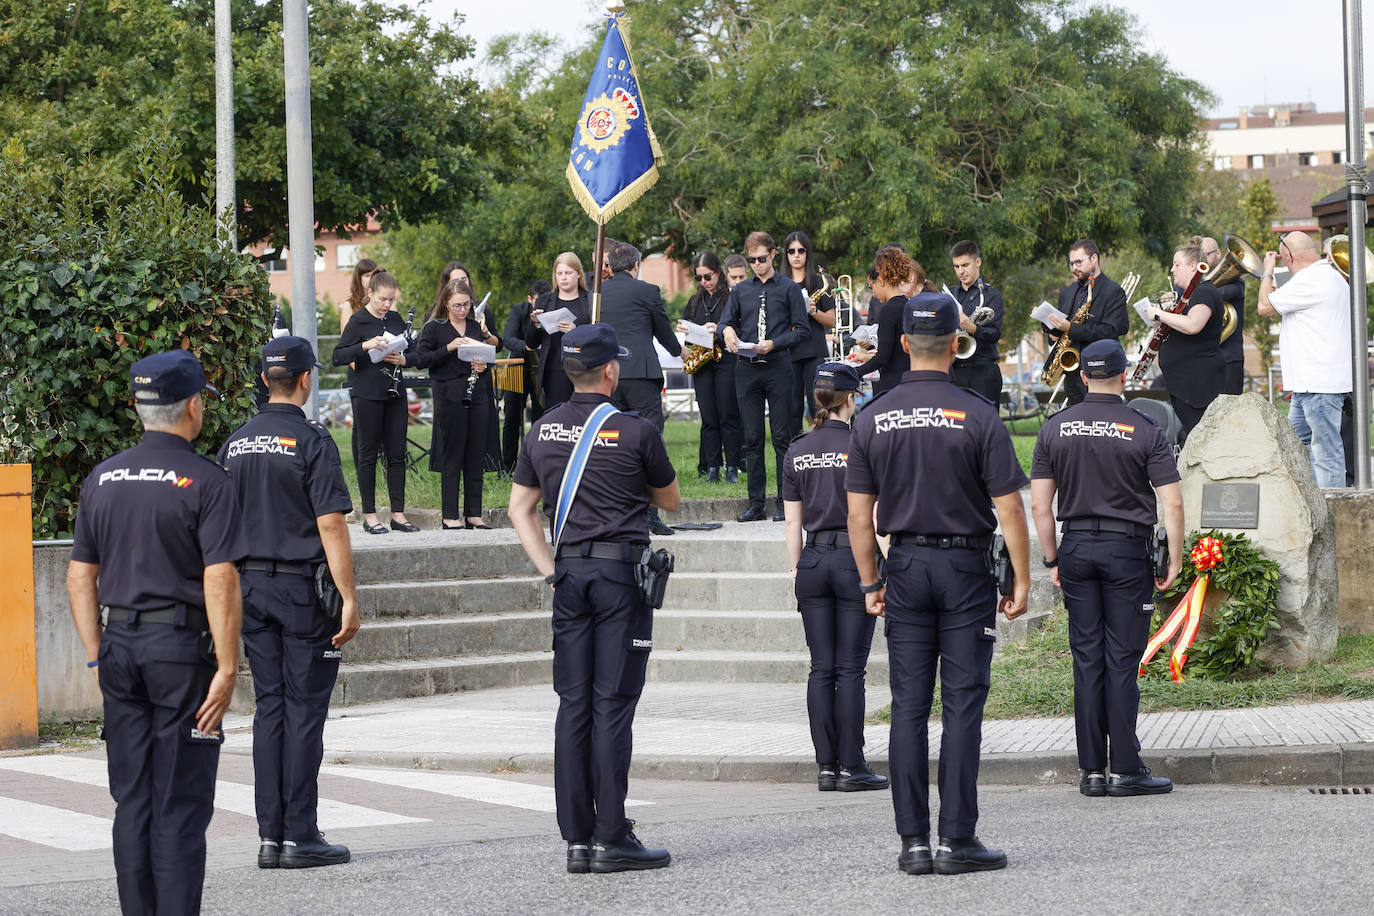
838, 631
1233, 347
714, 382
980, 372
513, 339
768, 315
820, 316
569, 292
1190, 357
1107, 315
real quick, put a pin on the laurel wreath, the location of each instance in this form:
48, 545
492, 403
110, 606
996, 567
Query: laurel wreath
1240, 625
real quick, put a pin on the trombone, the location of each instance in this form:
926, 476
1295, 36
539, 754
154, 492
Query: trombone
843, 294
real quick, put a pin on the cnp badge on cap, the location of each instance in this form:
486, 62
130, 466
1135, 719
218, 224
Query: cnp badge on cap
294, 354
837, 377
1103, 359
590, 345
165, 378
935, 314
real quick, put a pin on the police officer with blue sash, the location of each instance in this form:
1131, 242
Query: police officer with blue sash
938, 463
1106, 462
597, 471
291, 487
158, 534
839, 632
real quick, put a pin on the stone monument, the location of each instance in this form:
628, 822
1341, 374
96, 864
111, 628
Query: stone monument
1241, 442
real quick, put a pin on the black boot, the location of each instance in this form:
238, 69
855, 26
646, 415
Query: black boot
955, 857
1093, 783
312, 853
579, 858
269, 853
860, 779
627, 854
1138, 783
713, 475
731, 474
778, 514
915, 858
656, 525
755, 513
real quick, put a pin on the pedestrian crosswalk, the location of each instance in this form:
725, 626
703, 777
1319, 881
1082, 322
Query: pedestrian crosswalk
54, 822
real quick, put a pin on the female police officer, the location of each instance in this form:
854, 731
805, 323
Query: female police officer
838, 631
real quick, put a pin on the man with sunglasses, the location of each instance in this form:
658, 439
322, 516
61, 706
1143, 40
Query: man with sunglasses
1107, 317
776, 305
1315, 310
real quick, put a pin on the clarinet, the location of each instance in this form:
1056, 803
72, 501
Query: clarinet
396, 374
473, 375
763, 327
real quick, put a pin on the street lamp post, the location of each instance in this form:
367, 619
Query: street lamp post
300, 193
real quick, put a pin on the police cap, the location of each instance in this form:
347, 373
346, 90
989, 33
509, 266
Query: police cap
837, 377
936, 314
165, 378
591, 345
293, 354
1103, 359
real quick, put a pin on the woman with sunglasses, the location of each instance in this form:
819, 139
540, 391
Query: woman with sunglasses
714, 382
570, 292
820, 314
379, 399
462, 402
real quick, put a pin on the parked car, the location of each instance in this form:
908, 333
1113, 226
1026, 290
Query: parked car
336, 408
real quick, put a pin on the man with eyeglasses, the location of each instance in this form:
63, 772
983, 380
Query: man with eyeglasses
1315, 310
1107, 317
1233, 347
775, 306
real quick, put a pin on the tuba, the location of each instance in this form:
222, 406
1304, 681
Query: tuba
1240, 257
1339, 253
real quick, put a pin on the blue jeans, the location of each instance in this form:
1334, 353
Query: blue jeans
1316, 418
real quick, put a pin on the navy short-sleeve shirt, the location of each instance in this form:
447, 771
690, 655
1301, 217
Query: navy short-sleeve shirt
934, 455
153, 518
813, 474
611, 502
287, 473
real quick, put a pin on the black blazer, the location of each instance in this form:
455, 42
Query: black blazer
369, 381
550, 346
448, 375
1108, 317
635, 309
890, 360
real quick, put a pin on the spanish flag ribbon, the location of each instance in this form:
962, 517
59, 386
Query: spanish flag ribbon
1207, 555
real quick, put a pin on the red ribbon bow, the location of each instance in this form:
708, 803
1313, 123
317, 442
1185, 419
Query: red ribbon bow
1207, 554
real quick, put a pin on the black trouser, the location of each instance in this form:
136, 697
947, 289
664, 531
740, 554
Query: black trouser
288, 641
941, 607
839, 633
983, 376
513, 425
381, 426
1188, 417
758, 383
602, 632
720, 426
457, 450
1234, 378
1108, 593
1074, 389
162, 773
642, 395
803, 382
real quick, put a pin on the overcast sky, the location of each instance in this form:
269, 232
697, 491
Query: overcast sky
1245, 53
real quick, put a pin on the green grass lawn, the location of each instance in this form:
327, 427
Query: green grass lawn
1035, 678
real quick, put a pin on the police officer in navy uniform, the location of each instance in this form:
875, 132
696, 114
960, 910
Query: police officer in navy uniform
158, 533
602, 626
839, 632
938, 463
1107, 462
291, 487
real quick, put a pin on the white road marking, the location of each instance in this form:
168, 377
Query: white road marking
458, 785
56, 827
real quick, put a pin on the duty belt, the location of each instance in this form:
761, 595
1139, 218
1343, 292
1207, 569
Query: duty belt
600, 550
833, 537
272, 567
193, 618
1112, 525
942, 541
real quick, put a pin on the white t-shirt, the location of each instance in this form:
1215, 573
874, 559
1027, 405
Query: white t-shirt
1314, 338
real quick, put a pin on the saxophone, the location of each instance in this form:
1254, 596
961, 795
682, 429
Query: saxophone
695, 357
1064, 358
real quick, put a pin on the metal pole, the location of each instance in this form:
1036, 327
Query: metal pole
300, 194
596, 271
1355, 180
226, 204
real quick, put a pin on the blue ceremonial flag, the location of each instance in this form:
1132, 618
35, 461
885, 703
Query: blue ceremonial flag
615, 155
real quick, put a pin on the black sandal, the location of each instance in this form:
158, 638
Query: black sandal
479, 526
374, 529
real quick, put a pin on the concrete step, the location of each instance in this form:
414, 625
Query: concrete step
755, 591
746, 666
437, 637
448, 597
733, 629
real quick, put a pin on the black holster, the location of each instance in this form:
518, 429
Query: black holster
1159, 553
651, 574
998, 559
331, 600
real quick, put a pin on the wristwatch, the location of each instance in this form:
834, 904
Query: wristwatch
1050, 564
875, 587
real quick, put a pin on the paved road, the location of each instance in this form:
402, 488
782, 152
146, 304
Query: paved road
486, 843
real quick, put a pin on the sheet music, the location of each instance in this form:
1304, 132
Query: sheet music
699, 335
549, 320
1044, 311
1142, 308
477, 353
395, 343
481, 309
746, 346
867, 333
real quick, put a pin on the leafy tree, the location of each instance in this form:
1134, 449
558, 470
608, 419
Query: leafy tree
398, 129
1259, 208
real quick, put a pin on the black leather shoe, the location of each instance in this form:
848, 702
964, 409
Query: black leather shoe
269, 854
403, 526
713, 475
659, 528
579, 858
312, 853
755, 513
629, 854
825, 779
374, 529
1093, 783
778, 514
860, 779
732, 475
701, 474
955, 857
915, 858
1138, 783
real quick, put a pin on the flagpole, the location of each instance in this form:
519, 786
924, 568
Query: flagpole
597, 260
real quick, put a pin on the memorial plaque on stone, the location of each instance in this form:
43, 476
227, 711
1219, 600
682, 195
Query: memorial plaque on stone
1230, 505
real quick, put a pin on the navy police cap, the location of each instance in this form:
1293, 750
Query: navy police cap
588, 346
936, 314
165, 378
837, 377
294, 354
1103, 359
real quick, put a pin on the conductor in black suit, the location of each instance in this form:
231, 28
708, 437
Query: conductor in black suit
1107, 317
635, 309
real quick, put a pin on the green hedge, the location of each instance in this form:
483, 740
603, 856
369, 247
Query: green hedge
92, 279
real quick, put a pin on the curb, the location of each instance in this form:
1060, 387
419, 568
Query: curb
1307, 765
